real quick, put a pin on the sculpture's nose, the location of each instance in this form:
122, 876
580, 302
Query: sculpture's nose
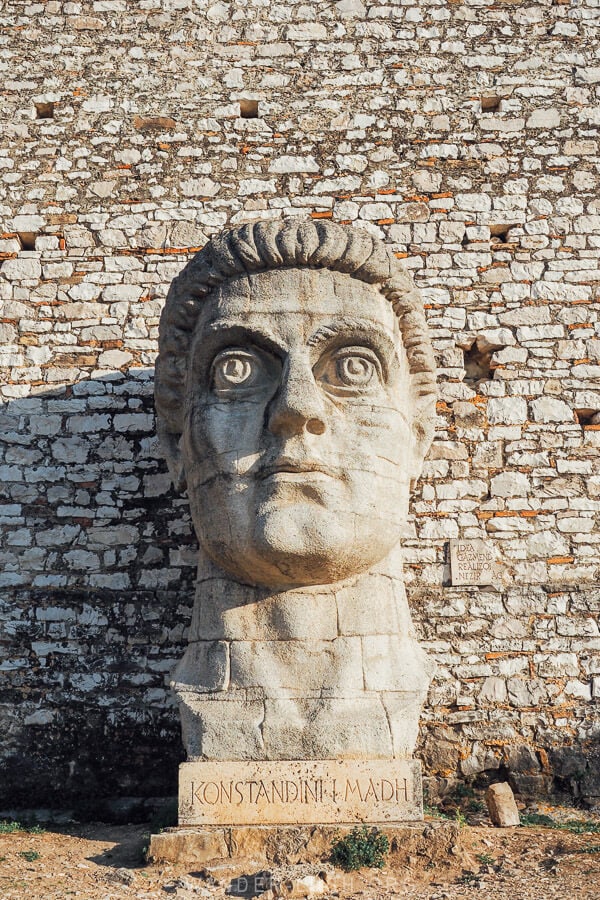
298, 404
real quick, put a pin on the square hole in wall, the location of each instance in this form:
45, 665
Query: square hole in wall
588, 416
499, 233
27, 239
477, 365
44, 110
249, 109
490, 103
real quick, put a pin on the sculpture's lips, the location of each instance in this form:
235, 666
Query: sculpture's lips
289, 469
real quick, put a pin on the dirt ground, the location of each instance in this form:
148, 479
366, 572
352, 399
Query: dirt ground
104, 862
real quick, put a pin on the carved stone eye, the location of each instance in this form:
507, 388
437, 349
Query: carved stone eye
355, 371
349, 371
233, 369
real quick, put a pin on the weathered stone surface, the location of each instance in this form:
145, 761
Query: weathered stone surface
310, 414
501, 805
191, 846
302, 886
335, 725
223, 730
300, 792
425, 843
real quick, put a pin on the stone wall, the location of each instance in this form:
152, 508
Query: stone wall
466, 135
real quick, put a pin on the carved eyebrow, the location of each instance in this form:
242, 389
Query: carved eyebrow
348, 327
238, 330
218, 325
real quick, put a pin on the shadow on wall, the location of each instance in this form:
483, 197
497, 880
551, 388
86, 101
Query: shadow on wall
97, 574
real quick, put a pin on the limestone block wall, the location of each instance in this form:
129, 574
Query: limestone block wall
463, 133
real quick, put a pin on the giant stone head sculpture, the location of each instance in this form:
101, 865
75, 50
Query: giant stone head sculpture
295, 392
295, 397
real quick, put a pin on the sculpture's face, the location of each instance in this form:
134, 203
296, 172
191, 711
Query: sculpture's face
297, 441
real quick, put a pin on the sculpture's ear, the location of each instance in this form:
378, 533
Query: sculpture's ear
422, 437
170, 444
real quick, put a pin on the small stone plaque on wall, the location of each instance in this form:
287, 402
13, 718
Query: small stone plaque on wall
472, 562
305, 792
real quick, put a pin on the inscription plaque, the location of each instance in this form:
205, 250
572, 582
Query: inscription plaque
309, 792
472, 562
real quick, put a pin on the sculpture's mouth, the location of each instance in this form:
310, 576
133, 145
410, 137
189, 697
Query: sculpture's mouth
288, 469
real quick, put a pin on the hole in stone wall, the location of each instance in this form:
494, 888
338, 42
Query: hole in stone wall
27, 239
491, 103
249, 109
477, 365
44, 110
499, 233
587, 416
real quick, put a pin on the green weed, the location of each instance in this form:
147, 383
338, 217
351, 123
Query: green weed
533, 819
7, 827
595, 848
362, 847
29, 855
460, 819
574, 826
577, 826
460, 791
435, 812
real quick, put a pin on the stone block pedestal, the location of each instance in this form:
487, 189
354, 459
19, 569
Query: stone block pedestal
289, 845
286, 812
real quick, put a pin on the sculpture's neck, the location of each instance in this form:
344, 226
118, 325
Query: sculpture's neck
326, 672
370, 603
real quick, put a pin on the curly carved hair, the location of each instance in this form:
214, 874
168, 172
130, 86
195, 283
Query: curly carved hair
283, 243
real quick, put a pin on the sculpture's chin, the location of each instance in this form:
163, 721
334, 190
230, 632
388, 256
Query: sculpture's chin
302, 546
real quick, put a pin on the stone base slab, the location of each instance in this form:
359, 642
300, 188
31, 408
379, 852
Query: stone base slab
248, 846
300, 792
